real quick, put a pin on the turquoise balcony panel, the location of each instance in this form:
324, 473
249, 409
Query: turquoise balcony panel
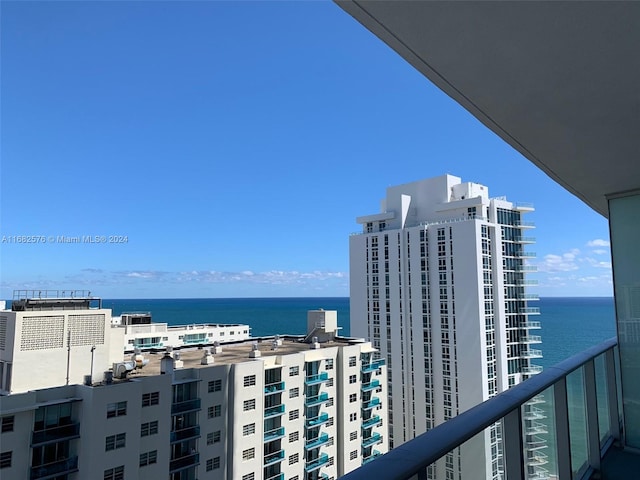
275, 457
317, 442
316, 400
374, 454
372, 440
372, 422
319, 420
317, 463
274, 411
374, 402
366, 387
376, 364
274, 434
315, 379
274, 388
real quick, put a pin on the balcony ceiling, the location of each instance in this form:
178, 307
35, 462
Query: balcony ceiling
558, 81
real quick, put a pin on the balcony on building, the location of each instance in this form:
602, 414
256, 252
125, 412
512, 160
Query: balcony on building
274, 434
319, 420
316, 379
186, 461
373, 366
55, 469
55, 434
371, 440
322, 439
316, 463
274, 457
185, 406
367, 387
274, 411
374, 421
187, 433
374, 402
277, 387
316, 400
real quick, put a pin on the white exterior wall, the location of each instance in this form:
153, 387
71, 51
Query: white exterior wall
90, 404
407, 309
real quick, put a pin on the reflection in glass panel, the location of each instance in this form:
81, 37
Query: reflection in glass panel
577, 421
625, 231
540, 436
602, 398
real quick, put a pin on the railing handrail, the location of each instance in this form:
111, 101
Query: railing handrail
415, 455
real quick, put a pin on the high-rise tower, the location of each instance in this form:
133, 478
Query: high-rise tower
438, 284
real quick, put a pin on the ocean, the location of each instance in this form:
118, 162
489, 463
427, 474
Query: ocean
569, 325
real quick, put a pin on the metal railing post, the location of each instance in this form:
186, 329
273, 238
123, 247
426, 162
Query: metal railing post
513, 446
563, 443
591, 404
612, 394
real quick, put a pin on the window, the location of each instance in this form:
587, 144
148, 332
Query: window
113, 442
295, 458
353, 436
213, 463
294, 392
352, 361
148, 458
7, 423
330, 462
213, 437
329, 364
330, 382
214, 411
248, 454
249, 404
330, 402
294, 414
116, 409
249, 429
353, 455
5, 459
116, 473
215, 386
150, 428
249, 476
353, 397
353, 417
149, 399
293, 371
293, 437
330, 422
249, 380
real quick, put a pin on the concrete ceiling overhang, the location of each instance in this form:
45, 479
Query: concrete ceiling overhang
558, 81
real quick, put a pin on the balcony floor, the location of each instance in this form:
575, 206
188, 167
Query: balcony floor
617, 465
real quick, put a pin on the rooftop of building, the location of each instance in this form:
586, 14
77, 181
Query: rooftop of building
231, 353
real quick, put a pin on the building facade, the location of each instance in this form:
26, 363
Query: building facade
438, 284
271, 408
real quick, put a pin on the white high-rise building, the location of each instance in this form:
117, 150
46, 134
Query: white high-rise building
308, 407
438, 284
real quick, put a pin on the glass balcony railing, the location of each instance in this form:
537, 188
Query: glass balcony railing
317, 463
366, 387
274, 411
315, 379
376, 364
56, 434
372, 440
274, 388
277, 476
372, 456
374, 402
582, 412
183, 434
186, 461
55, 469
317, 442
274, 434
372, 422
274, 457
316, 400
319, 420
186, 406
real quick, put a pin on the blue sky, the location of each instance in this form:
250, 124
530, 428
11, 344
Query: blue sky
234, 144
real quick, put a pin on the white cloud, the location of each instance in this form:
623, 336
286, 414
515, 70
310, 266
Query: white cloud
598, 242
559, 263
598, 263
599, 252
